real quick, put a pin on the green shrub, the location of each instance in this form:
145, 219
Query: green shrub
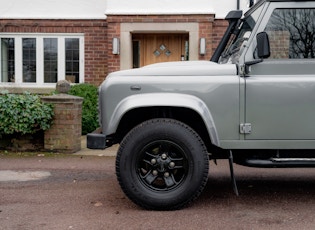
24, 113
89, 106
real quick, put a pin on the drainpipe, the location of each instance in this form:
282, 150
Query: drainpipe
237, 4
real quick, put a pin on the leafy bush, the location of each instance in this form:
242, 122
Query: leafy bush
89, 106
24, 113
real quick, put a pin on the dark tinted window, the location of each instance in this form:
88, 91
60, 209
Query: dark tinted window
292, 33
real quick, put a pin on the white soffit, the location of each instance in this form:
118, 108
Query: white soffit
98, 9
149, 7
52, 9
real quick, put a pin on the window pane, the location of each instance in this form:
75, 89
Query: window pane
136, 54
50, 60
72, 59
7, 60
75, 66
29, 59
291, 33
69, 55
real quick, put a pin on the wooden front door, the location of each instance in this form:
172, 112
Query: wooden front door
154, 48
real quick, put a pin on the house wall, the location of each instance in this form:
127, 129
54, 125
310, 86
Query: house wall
101, 20
98, 35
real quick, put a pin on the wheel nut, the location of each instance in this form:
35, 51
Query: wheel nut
166, 174
172, 164
153, 161
154, 172
164, 156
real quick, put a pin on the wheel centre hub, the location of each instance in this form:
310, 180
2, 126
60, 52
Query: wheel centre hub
162, 162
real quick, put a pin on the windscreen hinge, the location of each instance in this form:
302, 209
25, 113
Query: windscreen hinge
242, 70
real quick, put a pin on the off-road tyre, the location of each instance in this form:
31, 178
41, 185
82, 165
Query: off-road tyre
162, 164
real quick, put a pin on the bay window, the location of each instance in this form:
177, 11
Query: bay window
41, 59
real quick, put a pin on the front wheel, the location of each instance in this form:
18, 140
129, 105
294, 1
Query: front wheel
162, 164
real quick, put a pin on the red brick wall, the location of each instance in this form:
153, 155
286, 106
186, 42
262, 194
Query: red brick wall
112, 32
219, 27
206, 31
95, 34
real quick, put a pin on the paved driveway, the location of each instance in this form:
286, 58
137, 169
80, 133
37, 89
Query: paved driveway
81, 192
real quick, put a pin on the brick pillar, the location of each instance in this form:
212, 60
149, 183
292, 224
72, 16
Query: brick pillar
65, 133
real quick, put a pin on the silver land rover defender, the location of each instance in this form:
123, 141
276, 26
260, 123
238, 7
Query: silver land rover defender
253, 103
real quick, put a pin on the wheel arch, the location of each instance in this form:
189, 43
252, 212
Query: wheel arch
186, 108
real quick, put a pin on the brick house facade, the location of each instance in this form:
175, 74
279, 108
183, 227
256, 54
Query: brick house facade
45, 41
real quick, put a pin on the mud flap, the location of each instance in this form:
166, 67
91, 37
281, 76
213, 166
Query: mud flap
233, 180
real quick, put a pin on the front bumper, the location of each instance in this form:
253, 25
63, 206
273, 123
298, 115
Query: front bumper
96, 141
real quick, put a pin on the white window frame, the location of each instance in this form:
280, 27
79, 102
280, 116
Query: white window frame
18, 49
